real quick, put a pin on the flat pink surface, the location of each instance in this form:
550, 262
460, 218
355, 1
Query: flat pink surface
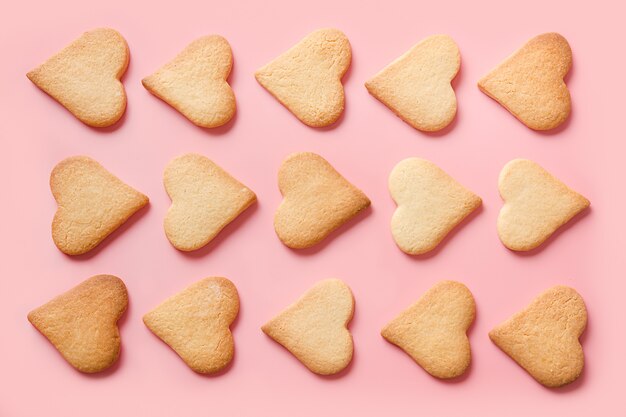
264, 380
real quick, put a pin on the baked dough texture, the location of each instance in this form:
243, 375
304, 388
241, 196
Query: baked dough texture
417, 86
92, 203
536, 204
317, 200
430, 204
433, 330
195, 323
315, 328
544, 337
205, 199
195, 82
82, 322
530, 83
85, 77
307, 78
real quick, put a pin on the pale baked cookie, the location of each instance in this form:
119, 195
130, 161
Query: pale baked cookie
430, 204
543, 338
195, 82
82, 323
416, 86
536, 204
92, 203
195, 323
85, 77
205, 198
530, 83
433, 330
315, 328
317, 200
307, 78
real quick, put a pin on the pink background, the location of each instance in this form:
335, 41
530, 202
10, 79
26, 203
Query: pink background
264, 380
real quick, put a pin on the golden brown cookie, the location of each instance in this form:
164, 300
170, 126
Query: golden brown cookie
92, 203
205, 198
82, 322
307, 78
195, 82
317, 200
195, 323
85, 77
543, 338
530, 83
416, 86
315, 328
430, 204
536, 204
433, 330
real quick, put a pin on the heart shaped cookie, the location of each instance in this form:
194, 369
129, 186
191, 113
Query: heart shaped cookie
307, 78
430, 204
85, 77
82, 323
92, 203
416, 86
530, 83
205, 198
195, 323
536, 204
315, 328
194, 82
317, 200
433, 330
543, 338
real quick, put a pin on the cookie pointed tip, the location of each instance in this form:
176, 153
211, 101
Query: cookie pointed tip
384, 332
494, 336
585, 202
144, 199
31, 317
267, 328
259, 74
